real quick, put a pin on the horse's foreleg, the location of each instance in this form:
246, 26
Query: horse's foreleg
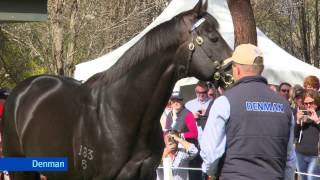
147, 171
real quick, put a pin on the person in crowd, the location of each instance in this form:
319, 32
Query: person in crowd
181, 119
199, 105
177, 153
185, 123
273, 87
307, 134
297, 97
284, 90
250, 127
4, 93
164, 116
311, 82
212, 92
3, 96
221, 90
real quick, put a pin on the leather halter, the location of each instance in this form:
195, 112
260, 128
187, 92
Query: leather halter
219, 74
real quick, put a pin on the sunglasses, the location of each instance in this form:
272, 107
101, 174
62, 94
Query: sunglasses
285, 90
309, 103
201, 92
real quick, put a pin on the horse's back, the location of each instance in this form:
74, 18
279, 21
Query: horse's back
40, 115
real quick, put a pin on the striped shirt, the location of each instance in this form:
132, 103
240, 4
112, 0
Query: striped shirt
181, 159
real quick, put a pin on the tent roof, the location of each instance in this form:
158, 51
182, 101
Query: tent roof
279, 65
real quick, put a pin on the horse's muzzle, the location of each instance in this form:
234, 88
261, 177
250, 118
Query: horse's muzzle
222, 76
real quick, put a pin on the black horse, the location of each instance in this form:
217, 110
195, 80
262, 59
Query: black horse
108, 127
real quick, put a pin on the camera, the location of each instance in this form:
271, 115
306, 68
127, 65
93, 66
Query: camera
172, 132
306, 112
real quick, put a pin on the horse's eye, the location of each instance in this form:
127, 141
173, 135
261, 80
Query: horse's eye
214, 39
209, 29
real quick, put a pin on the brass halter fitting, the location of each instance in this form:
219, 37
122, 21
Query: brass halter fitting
191, 46
199, 40
228, 79
216, 76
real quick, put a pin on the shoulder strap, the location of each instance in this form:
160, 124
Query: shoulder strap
208, 108
203, 124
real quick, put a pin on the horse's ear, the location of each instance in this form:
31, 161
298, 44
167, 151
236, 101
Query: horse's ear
201, 7
204, 7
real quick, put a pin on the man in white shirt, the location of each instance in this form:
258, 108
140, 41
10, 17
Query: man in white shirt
199, 105
250, 128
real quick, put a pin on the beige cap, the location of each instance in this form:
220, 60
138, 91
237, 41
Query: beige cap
246, 54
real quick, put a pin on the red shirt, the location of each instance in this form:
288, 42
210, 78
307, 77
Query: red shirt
1, 109
191, 124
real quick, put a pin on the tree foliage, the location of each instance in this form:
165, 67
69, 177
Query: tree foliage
76, 31
292, 24
15, 66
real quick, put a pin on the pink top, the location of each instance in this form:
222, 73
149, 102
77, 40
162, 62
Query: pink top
191, 124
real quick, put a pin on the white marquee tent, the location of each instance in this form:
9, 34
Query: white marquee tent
279, 65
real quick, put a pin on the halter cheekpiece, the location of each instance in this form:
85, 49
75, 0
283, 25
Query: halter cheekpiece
199, 39
219, 74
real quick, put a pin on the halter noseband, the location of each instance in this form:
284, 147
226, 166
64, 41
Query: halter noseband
219, 74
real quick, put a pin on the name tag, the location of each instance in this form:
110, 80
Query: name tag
264, 107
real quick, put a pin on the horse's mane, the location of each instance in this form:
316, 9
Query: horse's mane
161, 37
158, 38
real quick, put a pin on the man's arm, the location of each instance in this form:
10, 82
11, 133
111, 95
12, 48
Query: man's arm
291, 158
213, 141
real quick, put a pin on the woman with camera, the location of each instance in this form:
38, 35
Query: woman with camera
177, 153
308, 132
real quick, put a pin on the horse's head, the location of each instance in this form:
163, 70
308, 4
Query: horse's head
206, 49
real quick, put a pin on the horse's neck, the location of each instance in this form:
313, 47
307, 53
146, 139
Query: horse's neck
150, 81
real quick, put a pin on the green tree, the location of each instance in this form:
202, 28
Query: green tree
78, 31
14, 63
292, 24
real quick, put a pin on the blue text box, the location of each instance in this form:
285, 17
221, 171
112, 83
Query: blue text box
34, 164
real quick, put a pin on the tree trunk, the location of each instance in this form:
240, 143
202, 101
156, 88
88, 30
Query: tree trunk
69, 63
243, 21
57, 36
303, 32
292, 23
316, 27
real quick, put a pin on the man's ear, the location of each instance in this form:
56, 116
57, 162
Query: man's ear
238, 70
235, 70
